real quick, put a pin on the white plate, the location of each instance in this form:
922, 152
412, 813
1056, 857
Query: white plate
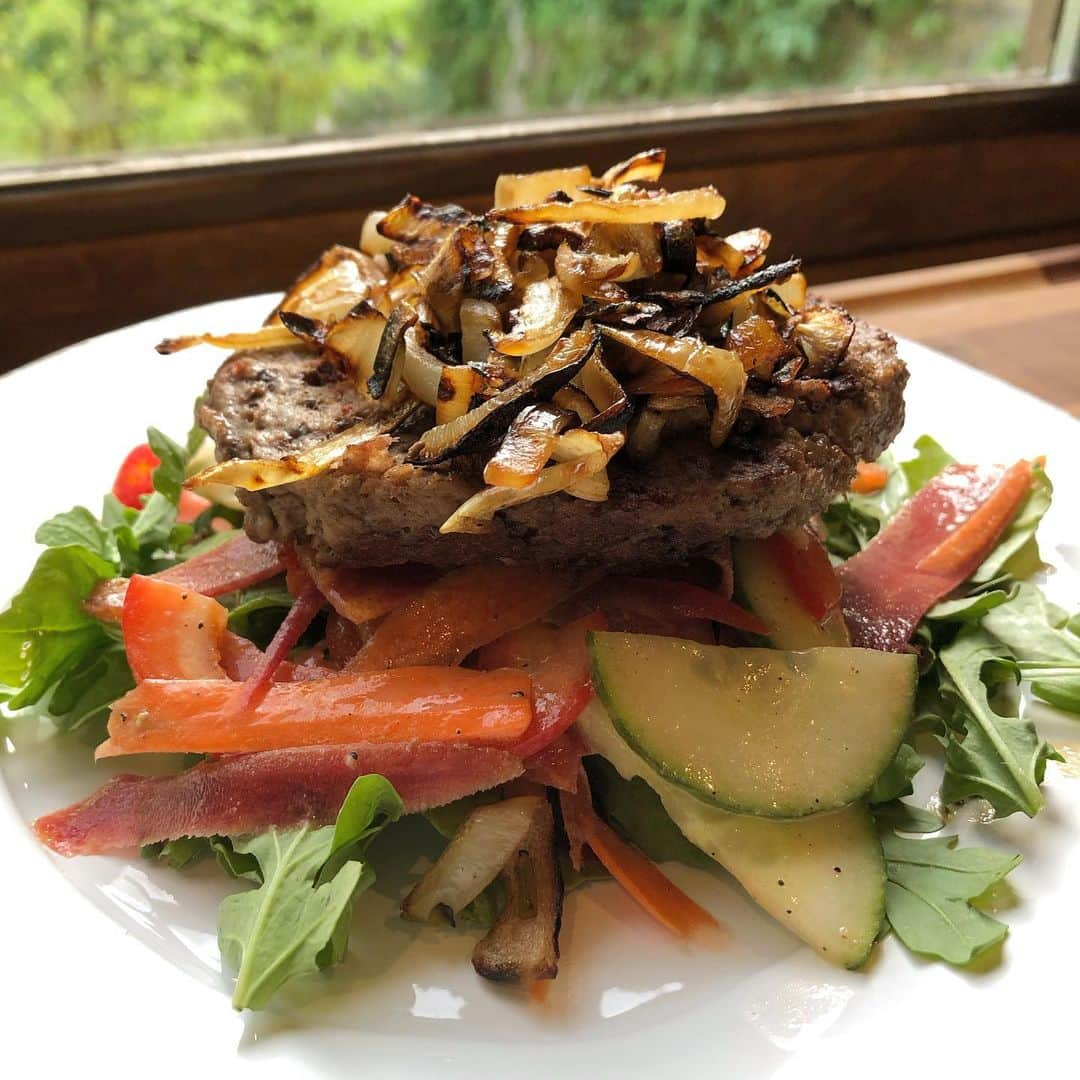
114, 961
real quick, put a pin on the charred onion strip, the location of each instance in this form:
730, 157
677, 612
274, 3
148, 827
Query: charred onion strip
526, 447
255, 475
520, 189
547, 308
391, 343
269, 337
704, 202
718, 369
478, 426
476, 514
646, 166
487, 840
333, 285
606, 394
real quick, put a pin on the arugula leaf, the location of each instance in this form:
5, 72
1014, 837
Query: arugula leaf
930, 458
256, 613
1062, 693
635, 810
969, 609
896, 779
45, 634
81, 700
928, 892
1032, 627
904, 817
78, 527
235, 863
178, 853
168, 477
367, 810
1001, 757
1017, 552
297, 920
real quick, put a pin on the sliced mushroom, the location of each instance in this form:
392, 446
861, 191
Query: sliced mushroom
523, 944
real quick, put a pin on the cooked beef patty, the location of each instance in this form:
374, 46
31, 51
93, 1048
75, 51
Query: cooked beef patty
769, 475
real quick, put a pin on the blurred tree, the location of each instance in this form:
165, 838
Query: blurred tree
84, 78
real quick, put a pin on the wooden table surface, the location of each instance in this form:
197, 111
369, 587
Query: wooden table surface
1016, 316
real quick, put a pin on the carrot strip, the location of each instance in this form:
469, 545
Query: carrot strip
869, 477
655, 892
428, 704
978, 533
363, 595
460, 612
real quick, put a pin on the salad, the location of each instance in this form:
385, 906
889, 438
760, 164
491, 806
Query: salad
766, 707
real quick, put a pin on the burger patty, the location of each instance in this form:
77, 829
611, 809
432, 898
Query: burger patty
377, 510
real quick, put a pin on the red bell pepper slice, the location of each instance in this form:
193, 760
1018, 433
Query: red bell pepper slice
805, 563
558, 661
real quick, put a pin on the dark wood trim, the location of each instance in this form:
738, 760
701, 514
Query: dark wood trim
98, 201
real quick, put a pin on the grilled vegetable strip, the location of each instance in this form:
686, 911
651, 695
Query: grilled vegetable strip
257, 474
805, 563
887, 588
476, 514
704, 202
558, 661
307, 603
171, 632
429, 704
248, 793
363, 595
486, 841
460, 612
638, 875
526, 447
691, 601
641, 878
973, 539
275, 336
523, 945
236, 564
719, 369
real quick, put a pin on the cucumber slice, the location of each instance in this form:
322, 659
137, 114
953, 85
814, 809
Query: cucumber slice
822, 877
763, 587
757, 731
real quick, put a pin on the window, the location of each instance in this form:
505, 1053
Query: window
102, 79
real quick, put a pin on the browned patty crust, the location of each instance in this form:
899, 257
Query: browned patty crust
771, 474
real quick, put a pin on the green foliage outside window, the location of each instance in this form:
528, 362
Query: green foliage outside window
85, 78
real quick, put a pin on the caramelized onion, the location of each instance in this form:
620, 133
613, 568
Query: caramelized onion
646, 166
478, 319
520, 189
546, 310
476, 514
823, 335
719, 369
274, 336
256, 475
334, 284
526, 447
704, 202
421, 371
